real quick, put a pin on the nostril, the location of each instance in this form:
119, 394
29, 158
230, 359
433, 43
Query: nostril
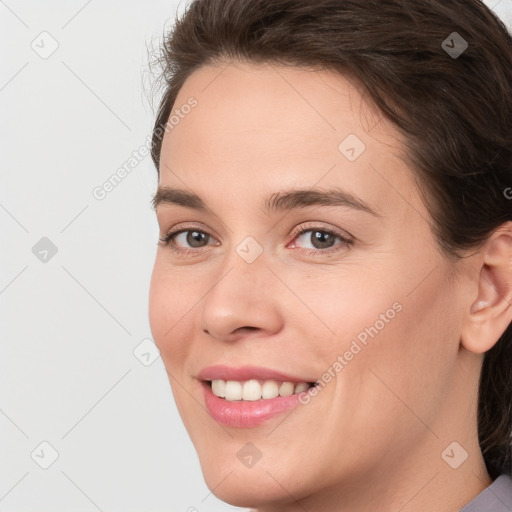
248, 327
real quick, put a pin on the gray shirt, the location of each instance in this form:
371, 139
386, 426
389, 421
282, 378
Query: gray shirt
496, 498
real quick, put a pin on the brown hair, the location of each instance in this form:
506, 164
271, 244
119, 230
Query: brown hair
454, 110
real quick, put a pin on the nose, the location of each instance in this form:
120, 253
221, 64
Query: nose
242, 301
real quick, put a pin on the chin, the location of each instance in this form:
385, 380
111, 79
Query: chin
249, 488
272, 479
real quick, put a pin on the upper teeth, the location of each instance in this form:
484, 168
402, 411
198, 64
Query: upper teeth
254, 390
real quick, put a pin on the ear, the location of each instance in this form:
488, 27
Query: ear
491, 310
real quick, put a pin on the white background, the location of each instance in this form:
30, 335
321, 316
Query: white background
69, 325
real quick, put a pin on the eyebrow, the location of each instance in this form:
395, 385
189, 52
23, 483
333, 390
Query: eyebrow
279, 201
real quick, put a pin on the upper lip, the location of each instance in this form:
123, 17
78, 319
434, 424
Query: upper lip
244, 373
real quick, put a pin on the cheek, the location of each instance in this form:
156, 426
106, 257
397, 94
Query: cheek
395, 331
170, 309
350, 304
407, 365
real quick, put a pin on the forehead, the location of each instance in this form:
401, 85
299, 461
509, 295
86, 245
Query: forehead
276, 103
280, 126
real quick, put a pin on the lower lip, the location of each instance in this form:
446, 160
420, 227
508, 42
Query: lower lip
246, 413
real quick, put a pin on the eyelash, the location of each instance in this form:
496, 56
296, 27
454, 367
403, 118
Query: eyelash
168, 240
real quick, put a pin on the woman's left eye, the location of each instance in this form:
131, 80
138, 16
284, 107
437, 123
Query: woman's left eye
191, 240
322, 239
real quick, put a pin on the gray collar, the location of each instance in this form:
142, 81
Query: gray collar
496, 498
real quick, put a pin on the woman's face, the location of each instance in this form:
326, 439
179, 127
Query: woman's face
348, 291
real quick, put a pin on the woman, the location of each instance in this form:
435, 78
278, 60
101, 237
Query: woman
332, 290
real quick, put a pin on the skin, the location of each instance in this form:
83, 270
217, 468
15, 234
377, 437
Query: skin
372, 439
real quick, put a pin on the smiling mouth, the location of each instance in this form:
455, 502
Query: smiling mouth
254, 389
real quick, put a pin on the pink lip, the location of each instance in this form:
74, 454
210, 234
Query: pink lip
245, 414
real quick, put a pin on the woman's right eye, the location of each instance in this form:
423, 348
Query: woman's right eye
179, 239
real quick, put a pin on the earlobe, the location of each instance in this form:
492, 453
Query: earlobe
491, 311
